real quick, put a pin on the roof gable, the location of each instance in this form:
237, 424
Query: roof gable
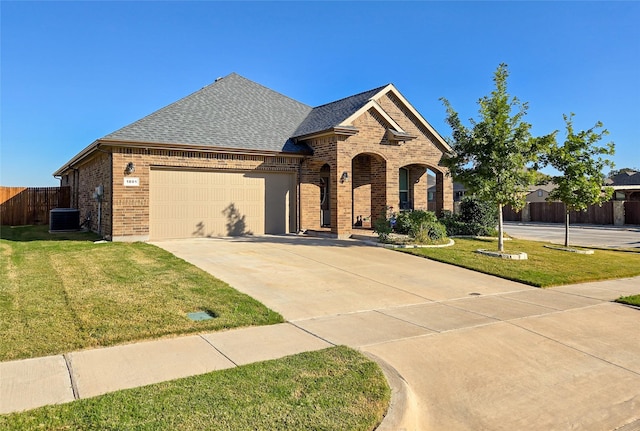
342, 114
233, 112
332, 114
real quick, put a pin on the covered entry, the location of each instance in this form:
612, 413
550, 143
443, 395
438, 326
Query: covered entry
199, 203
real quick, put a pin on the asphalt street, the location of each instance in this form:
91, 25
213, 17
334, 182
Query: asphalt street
581, 235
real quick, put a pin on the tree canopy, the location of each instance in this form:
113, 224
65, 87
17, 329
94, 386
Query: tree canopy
491, 158
580, 165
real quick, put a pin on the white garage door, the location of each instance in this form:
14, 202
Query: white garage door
185, 204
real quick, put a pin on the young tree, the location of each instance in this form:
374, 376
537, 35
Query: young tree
577, 160
491, 157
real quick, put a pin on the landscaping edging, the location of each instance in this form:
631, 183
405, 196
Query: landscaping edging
486, 238
449, 244
570, 250
385, 245
503, 255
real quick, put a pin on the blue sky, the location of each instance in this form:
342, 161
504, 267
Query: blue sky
72, 72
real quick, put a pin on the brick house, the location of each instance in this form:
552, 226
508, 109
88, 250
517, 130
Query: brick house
237, 158
626, 185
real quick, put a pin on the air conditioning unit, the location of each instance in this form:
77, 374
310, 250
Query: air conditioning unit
64, 219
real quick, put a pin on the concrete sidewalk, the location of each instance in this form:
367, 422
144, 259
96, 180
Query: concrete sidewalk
32, 383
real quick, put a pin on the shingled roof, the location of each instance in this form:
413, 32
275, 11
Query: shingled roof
325, 117
627, 178
233, 112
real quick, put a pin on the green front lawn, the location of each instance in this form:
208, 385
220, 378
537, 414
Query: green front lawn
631, 300
333, 389
63, 292
545, 267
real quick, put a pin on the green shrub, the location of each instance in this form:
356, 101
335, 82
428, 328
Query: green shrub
476, 218
382, 225
422, 226
403, 222
428, 232
476, 211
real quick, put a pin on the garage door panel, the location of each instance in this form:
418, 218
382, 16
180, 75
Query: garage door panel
204, 203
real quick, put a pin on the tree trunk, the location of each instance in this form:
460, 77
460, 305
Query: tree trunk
566, 226
500, 229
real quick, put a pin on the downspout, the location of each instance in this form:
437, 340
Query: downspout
76, 187
100, 212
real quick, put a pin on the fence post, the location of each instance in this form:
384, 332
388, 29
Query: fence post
525, 215
618, 213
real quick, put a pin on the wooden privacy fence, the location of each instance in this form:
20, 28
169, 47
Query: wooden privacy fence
618, 212
632, 212
509, 214
553, 212
31, 205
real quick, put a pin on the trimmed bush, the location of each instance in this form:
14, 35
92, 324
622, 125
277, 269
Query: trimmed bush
382, 225
476, 218
422, 226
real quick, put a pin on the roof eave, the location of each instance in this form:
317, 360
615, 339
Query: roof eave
191, 147
338, 130
624, 187
77, 158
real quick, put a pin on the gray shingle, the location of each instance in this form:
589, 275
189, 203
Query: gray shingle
233, 112
625, 179
332, 114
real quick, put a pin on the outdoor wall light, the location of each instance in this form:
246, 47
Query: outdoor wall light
344, 177
130, 168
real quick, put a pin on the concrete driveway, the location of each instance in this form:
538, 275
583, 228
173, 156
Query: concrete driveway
476, 352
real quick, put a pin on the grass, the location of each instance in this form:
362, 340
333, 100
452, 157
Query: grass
63, 292
545, 267
332, 389
631, 300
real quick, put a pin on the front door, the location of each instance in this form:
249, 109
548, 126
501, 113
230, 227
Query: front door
325, 204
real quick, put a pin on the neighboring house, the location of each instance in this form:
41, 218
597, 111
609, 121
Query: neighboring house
539, 193
237, 158
626, 186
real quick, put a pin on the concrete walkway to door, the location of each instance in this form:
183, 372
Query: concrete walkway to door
477, 352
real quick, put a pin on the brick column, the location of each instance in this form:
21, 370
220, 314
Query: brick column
618, 213
378, 188
418, 185
309, 197
341, 198
393, 186
444, 192
525, 215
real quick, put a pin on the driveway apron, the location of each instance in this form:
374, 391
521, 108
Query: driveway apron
476, 351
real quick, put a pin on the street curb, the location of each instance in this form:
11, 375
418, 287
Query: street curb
402, 414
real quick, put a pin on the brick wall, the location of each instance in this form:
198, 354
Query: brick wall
131, 203
372, 163
95, 172
324, 153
